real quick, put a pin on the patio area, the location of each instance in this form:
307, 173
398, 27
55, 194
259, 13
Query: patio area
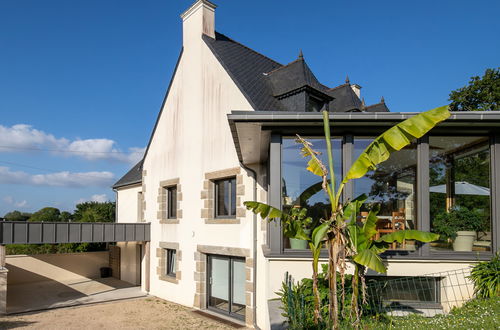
141, 313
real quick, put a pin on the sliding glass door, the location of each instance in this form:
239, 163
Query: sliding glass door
226, 285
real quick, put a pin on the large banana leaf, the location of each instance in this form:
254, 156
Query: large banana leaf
351, 209
371, 260
401, 235
319, 234
395, 139
265, 211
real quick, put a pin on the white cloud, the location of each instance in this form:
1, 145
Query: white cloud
95, 198
25, 137
21, 204
59, 179
10, 200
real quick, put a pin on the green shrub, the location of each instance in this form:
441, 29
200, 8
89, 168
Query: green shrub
486, 278
448, 223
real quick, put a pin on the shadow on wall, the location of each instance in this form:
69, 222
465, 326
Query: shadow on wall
58, 267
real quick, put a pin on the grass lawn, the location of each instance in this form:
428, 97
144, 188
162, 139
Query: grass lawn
476, 314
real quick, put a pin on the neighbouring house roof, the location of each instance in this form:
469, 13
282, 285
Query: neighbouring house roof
263, 81
134, 176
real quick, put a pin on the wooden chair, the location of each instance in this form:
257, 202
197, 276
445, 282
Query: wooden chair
384, 226
398, 223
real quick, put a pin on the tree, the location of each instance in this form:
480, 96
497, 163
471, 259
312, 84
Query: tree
482, 93
95, 212
47, 214
66, 216
17, 216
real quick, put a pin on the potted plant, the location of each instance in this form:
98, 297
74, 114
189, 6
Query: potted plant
297, 228
460, 225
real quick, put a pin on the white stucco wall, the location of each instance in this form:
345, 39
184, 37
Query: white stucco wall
191, 139
127, 203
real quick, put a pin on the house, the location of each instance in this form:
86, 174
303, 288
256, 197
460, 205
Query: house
225, 135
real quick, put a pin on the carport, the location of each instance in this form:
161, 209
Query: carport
38, 282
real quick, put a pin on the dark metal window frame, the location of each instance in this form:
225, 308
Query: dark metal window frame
275, 238
230, 285
170, 269
230, 194
171, 202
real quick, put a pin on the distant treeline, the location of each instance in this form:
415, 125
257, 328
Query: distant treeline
84, 212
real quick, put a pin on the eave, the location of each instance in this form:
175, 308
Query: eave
251, 130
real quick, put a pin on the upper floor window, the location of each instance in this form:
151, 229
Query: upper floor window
172, 202
225, 198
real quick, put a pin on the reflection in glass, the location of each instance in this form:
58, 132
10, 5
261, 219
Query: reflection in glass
239, 278
392, 186
219, 280
296, 179
460, 193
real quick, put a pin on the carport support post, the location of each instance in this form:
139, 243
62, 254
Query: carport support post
3, 281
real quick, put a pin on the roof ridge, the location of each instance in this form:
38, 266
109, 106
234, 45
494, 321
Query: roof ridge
250, 49
285, 66
374, 104
339, 86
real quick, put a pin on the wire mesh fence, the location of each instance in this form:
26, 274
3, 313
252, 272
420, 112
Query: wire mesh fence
427, 295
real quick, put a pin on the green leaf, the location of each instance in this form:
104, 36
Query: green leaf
308, 193
319, 234
352, 208
370, 225
395, 139
370, 260
265, 211
401, 235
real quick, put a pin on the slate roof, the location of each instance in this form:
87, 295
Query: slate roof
379, 107
247, 68
262, 79
131, 177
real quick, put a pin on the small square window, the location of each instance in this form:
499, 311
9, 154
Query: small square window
172, 202
225, 198
171, 262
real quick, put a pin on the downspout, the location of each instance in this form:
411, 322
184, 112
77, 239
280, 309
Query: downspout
254, 276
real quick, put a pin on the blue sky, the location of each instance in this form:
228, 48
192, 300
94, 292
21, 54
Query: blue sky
81, 82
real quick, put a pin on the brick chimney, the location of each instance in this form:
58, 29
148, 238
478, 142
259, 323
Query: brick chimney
197, 20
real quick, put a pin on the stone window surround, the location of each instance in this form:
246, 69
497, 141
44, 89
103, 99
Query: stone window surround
162, 201
161, 254
200, 275
208, 196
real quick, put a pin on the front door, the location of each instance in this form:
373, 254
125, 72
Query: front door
226, 285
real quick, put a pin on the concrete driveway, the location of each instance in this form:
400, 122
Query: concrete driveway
51, 294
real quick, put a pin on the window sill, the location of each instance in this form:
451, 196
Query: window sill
169, 278
222, 221
169, 221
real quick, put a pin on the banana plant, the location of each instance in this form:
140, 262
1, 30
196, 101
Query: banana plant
394, 139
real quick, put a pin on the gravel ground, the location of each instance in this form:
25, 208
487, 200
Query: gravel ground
146, 313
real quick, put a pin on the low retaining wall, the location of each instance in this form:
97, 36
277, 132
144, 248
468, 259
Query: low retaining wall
55, 267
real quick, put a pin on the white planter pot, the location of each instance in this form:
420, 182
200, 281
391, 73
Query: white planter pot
464, 241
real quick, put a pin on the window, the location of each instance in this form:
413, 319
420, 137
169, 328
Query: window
392, 186
459, 193
296, 179
171, 262
225, 198
172, 202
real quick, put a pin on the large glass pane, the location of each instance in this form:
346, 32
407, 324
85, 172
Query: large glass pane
460, 193
239, 277
219, 283
296, 179
392, 186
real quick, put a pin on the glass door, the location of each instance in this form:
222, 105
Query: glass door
226, 285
